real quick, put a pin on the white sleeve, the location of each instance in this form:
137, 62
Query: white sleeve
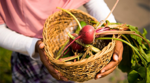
99, 10
16, 42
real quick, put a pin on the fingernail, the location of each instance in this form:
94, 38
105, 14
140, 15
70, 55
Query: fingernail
116, 57
99, 76
102, 71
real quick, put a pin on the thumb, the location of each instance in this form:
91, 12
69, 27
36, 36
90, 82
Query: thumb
115, 57
41, 46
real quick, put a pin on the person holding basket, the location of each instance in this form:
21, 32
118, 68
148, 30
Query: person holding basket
21, 26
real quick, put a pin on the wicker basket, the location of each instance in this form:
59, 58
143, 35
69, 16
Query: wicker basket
55, 35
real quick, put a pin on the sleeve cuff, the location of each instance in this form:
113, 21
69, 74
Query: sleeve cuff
31, 49
19, 43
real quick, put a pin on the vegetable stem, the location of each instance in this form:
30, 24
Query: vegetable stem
72, 37
132, 49
122, 32
114, 32
70, 58
71, 15
84, 45
109, 13
70, 44
108, 38
142, 38
59, 52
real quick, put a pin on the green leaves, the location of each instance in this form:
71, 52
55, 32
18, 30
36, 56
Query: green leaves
137, 76
132, 76
141, 72
137, 38
144, 33
82, 23
138, 64
148, 73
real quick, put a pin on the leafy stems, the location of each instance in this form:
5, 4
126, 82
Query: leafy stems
70, 44
84, 45
59, 52
72, 37
132, 48
143, 60
108, 38
114, 32
122, 32
142, 38
71, 57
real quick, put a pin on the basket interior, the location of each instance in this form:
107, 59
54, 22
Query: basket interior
55, 36
58, 26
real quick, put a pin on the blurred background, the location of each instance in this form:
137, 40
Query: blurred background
5, 67
133, 12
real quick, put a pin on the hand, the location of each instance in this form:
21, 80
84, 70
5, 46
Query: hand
116, 59
40, 49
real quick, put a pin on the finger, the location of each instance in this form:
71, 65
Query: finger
51, 69
112, 64
47, 65
57, 74
63, 78
41, 46
60, 76
118, 50
100, 75
115, 57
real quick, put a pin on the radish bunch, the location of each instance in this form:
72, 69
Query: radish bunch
86, 36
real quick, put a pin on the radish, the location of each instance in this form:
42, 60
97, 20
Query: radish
75, 46
87, 34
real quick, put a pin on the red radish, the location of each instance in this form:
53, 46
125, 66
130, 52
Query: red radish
75, 46
71, 42
87, 34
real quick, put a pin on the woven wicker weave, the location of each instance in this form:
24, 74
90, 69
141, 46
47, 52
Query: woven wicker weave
55, 35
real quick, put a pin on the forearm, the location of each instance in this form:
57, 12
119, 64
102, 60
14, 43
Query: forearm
16, 42
99, 10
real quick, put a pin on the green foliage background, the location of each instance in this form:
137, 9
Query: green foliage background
5, 66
